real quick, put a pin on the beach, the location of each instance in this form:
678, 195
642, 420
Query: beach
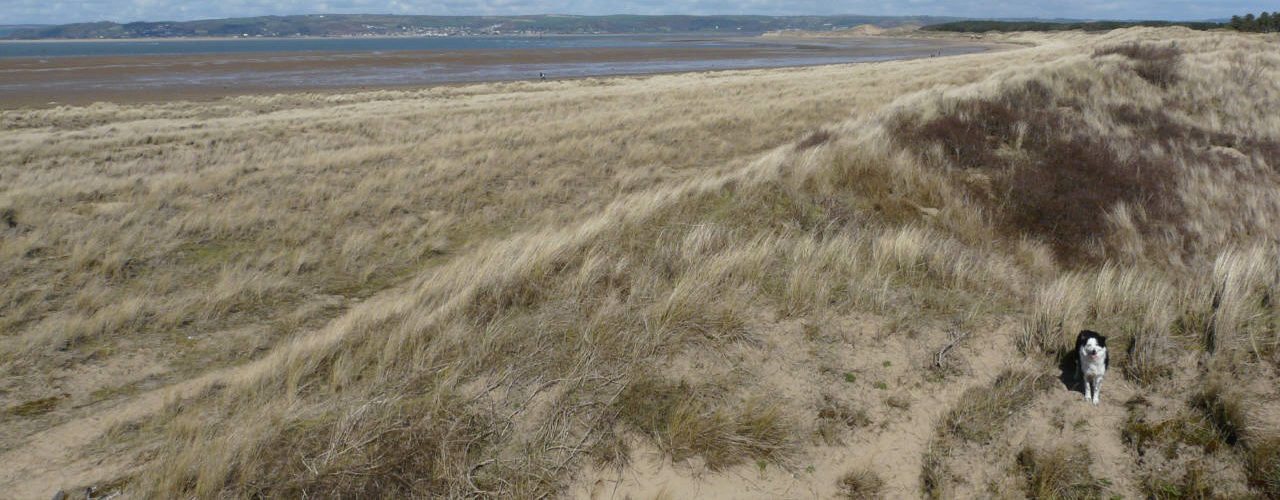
45, 81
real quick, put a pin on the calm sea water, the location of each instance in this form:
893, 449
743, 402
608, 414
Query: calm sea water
54, 48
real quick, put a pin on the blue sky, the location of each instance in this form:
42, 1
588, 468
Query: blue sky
60, 11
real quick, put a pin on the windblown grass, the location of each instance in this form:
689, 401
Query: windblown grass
474, 292
1061, 473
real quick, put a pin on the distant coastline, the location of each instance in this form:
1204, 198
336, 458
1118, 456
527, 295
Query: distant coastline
352, 37
358, 25
712, 35
197, 74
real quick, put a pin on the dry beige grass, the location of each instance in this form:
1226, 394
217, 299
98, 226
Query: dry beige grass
201, 234
519, 289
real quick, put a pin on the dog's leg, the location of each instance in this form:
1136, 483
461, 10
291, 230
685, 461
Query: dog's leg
1087, 397
1080, 375
1097, 390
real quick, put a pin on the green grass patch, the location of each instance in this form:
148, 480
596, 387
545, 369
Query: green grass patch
35, 407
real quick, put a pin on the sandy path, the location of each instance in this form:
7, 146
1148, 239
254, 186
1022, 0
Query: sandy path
50, 459
1110, 458
894, 453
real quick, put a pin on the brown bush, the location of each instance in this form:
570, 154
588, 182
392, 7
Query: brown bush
1157, 64
1059, 186
1065, 194
1141, 51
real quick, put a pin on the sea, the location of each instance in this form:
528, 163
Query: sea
61, 48
46, 72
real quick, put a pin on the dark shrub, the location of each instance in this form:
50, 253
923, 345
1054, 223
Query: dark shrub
814, 139
1047, 181
8, 217
1225, 410
1064, 195
1157, 64
1141, 51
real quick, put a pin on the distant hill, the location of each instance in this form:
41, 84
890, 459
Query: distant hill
985, 26
392, 25
7, 29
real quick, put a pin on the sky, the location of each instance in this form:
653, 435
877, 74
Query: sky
61, 11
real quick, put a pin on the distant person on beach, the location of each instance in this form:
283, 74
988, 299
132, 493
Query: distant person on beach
542, 76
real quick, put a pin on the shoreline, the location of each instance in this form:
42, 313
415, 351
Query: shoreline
375, 37
81, 80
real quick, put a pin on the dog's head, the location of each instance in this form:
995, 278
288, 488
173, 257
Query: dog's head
1091, 344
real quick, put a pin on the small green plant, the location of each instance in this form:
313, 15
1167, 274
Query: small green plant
882, 386
850, 377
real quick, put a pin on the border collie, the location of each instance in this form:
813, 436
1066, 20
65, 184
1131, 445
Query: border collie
1092, 349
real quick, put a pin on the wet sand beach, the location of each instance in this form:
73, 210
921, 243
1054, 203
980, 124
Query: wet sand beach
45, 81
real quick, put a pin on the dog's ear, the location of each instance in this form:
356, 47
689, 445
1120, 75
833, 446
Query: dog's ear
1102, 341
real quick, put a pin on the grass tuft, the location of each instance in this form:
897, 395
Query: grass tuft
1263, 466
1196, 483
1058, 473
981, 412
1224, 409
686, 423
861, 484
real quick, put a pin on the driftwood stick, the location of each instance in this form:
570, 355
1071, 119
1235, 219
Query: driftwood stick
955, 337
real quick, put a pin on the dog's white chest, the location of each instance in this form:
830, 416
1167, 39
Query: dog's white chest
1093, 367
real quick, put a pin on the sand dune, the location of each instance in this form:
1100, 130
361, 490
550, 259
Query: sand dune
851, 280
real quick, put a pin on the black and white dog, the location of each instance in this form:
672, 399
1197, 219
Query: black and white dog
1092, 349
